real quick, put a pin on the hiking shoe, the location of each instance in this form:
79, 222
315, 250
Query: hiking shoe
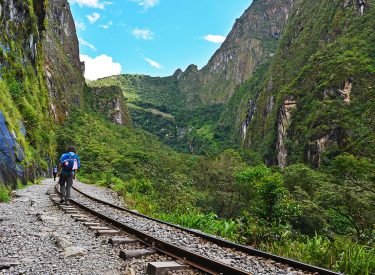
62, 201
67, 203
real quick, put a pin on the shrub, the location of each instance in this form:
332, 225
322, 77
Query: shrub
4, 193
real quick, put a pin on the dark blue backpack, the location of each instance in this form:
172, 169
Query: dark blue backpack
68, 164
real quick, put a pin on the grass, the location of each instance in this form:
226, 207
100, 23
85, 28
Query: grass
4, 193
339, 254
20, 185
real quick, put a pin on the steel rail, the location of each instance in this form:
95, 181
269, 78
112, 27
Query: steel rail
224, 243
195, 260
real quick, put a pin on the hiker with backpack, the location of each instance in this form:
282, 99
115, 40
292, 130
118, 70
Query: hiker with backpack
54, 172
68, 166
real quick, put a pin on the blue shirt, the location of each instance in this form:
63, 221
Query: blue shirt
66, 156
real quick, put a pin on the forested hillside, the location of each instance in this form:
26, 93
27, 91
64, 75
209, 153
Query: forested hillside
306, 107
270, 145
316, 99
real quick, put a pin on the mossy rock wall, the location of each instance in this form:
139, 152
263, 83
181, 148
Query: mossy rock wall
326, 63
35, 93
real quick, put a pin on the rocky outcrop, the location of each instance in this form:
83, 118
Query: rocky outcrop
40, 79
110, 102
249, 118
177, 74
16, 23
189, 83
11, 155
63, 68
346, 90
252, 42
283, 123
269, 106
316, 148
19, 40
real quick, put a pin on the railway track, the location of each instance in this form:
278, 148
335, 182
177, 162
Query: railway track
204, 252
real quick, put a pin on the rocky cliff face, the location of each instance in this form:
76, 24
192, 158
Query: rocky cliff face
40, 78
63, 68
253, 41
110, 102
11, 154
283, 122
318, 53
327, 67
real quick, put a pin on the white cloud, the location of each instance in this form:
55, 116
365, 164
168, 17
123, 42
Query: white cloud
146, 4
93, 17
143, 34
100, 66
214, 38
106, 26
80, 26
90, 3
154, 63
87, 44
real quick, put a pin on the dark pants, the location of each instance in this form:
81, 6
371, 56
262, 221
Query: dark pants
54, 176
66, 182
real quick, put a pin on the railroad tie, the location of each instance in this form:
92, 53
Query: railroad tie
160, 268
51, 192
56, 201
121, 240
71, 211
99, 227
6, 263
136, 253
91, 224
55, 198
79, 216
107, 232
84, 219
68, 208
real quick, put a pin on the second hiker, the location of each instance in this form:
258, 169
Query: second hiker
54, 172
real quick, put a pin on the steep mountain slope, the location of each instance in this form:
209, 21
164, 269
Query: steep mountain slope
183, 109
62, 66
24, 96
34, 51
158, 106
252, 42
307, 74
153, 102
41, 84
316, 100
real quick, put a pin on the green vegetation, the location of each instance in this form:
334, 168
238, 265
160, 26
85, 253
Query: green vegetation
147, 92
113, 154
291, 212
187, 166
323, 216
158, 106
338, 254
313, 62
4, 193
23, 93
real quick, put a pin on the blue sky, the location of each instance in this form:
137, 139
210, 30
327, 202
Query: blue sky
153, 37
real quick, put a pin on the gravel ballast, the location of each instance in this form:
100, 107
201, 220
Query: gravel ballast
38, 237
